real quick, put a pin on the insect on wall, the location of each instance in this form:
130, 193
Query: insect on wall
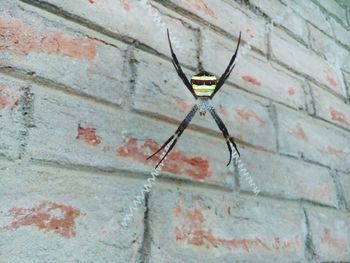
203, 87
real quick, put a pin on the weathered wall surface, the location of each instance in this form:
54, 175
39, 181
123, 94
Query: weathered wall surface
88, 91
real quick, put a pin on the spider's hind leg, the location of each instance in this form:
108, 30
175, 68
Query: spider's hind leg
229, 140
162, 147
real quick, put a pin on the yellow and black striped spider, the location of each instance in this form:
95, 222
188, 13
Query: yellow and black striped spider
203, 87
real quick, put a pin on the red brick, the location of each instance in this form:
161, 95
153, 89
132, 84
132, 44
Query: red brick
31, 43
20, 38
301, 135
46, 216
331, 108
334, 8
311, 12
118, 18
88, 135
160, 91
344, 179
11, 119
176, 163
229, 17
210, 226
290, 20
289, 52
9, 99
327, 46
330, 234
342, 34
64, 210
112, 139
288, 178
252, 72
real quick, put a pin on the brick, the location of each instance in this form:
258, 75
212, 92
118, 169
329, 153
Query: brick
322, 43
117, 18
341, 34
49, 50
334, 8
314, 140
228, 17
330, 234
347, 83
210, 227
292, 54
70, 130
12, 128
291, 21
284, 177
331, 108
345, 184
65, 211
335, 54
160, 91
252, 73
310, 12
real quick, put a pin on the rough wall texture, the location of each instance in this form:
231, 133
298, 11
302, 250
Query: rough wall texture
88, 91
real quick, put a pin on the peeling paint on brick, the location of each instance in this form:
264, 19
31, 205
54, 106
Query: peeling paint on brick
336, 152
200, 5
177, 210
299, 133
178, 163
338, 243
249, 32
223, 111
8, 98
183, 104
48, 217
16, 36
193, 230
321, 190
251, 80
249, 114
291, 91
331, 80
125, 4
338, 116
88, 135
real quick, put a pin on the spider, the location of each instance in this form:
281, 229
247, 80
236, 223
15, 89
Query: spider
203, 87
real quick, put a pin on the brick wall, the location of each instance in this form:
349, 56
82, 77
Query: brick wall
88, 91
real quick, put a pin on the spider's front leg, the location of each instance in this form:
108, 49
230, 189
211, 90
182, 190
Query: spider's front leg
176, 135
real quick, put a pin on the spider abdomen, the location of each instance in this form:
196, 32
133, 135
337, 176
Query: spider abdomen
203, 84
203, 90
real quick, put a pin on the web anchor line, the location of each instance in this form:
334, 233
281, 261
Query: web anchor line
147, 186
243, 172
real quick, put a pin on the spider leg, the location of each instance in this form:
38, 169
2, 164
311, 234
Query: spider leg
228, 70
179, 69
176, 135
223, 128
161, 148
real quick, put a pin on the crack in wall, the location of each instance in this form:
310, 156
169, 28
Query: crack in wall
339, 190
309, 245
310, 105
274, 119
146, 244
199, 44
27, 111
130, 70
